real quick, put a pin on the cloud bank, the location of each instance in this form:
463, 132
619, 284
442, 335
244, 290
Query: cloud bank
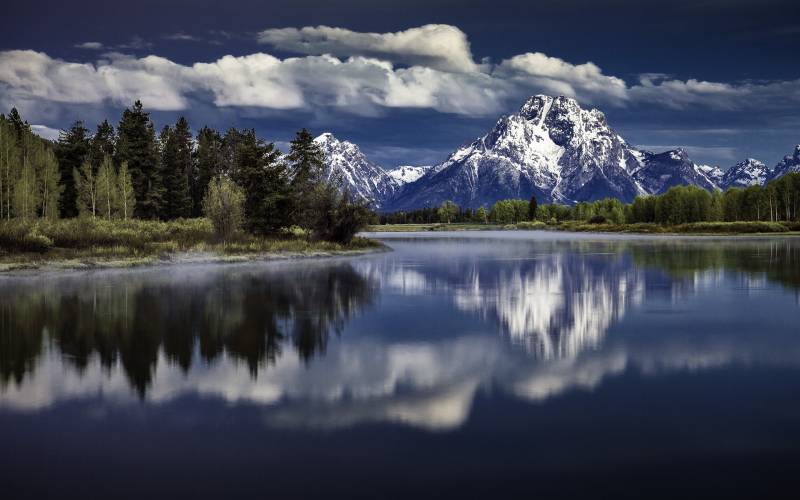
336, 70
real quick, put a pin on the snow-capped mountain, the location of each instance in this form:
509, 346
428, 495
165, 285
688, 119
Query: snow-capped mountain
749, 172
406, 174
558, 151
661, 171
712, 173
363, 178
790, 163
551, 148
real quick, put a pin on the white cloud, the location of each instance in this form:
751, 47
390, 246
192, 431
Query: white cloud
90, 45
556, 76
679, 94
347, 72
46, 132
181, 36
357, 85
27, 74
438, 46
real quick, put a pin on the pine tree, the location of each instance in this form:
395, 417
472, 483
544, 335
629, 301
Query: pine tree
136, 144
307, 162
102, 144
11, 145
264, 180
532, 205
208, 163
72, 150
86, 186
107, 189
176, 168
126, 199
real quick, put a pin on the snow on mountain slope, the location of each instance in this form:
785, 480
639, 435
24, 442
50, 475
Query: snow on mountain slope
749, 172
711, 172
406, 174
552, 148
790, 163
661, 171
363, 178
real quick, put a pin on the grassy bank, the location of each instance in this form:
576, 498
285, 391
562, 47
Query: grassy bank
700, 228
101, 243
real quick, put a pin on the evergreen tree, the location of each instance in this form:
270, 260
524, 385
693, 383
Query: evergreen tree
71, 151
532, 205
264, 180
126, 198
136, 145
307, 162
102, 144
208, 161
176, 168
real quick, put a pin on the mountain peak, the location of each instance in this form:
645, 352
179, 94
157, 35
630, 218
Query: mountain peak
538, 107
326, 137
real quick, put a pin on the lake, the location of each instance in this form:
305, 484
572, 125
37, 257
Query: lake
472, 364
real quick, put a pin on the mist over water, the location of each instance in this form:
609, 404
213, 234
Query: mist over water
522, 355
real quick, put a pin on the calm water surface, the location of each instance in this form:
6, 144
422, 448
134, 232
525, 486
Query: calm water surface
467, 364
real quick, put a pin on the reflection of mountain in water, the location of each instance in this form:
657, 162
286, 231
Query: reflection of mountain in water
556, 305
131, 318
210, 332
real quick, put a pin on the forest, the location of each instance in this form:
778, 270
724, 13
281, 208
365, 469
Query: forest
121, 178
776, 202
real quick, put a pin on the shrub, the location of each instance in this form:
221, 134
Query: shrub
224, 205
531, 225
598, 219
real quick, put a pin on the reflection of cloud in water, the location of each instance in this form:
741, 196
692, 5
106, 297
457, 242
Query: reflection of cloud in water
429, 385
559, 306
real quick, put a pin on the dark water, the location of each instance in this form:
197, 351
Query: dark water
471, 365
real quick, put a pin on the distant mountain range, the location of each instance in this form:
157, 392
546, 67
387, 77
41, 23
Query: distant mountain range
551, 148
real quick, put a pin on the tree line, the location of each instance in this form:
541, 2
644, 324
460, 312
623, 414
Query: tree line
777, 201
135, 171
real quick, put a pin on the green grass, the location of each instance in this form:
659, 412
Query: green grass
100, 242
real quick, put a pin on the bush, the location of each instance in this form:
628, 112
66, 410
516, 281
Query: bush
338, 216
224, 205
598, 219
531, 225
23, 236
86, 233
731, 227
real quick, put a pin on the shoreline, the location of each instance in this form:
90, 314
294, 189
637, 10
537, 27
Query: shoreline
650, 230
188, 257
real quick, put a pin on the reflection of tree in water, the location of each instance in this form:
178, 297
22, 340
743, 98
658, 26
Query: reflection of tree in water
778, 260
246, 314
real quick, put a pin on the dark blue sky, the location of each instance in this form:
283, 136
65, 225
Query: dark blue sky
719, 77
